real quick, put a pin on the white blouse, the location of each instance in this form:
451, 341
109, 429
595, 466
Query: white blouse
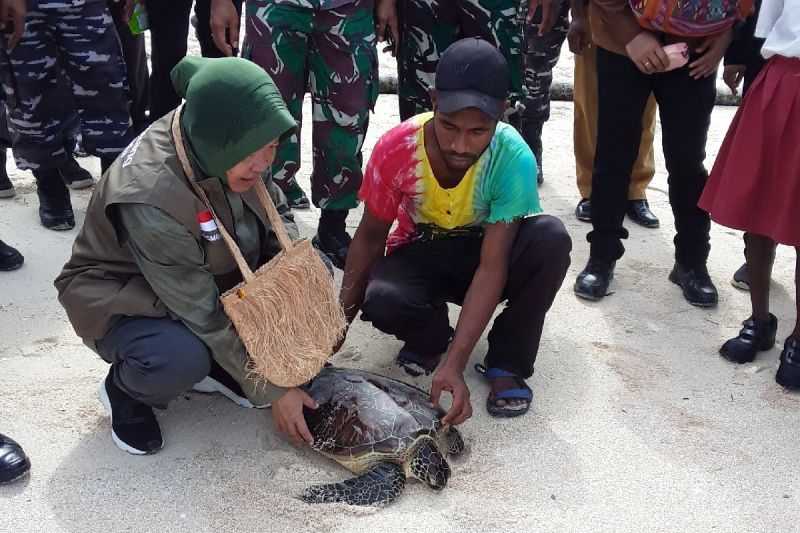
779, 24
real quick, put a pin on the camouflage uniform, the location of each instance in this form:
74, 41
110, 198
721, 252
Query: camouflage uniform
306, 43
541, 55
428, 27
78, 38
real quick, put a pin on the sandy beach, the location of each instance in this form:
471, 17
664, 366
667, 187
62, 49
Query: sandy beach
637, 423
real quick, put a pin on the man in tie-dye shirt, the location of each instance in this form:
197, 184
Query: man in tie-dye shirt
461, 187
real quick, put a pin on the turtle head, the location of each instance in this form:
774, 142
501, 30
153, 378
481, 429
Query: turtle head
429, 465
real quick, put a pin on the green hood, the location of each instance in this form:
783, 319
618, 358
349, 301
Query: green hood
232, 109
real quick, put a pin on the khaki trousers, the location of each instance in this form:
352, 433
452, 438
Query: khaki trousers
585, 131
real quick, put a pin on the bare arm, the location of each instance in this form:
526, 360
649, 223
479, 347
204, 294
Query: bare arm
482, 297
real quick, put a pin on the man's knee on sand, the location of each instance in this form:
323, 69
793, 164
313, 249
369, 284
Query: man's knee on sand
158, 365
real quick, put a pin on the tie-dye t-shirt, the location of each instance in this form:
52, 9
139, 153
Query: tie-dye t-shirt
399, 185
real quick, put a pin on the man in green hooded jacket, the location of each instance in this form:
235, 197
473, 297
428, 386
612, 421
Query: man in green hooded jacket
142, 286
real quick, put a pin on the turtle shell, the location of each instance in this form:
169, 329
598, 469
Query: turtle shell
361, 413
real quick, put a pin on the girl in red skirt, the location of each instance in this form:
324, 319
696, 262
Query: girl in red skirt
755, 183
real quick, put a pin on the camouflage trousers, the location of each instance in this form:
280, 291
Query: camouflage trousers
332, 53
68, 61
540, 57
428, 27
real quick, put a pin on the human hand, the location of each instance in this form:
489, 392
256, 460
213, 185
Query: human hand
225, 26
647, 53
733, 75
386, 17
450, 379
578, 35
550, 9
13, 12
287, 413
711, 51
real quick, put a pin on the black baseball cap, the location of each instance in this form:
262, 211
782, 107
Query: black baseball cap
472, 73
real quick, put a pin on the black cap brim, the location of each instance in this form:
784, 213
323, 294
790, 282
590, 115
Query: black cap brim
453, 101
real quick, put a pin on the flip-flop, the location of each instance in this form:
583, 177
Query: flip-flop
521, 392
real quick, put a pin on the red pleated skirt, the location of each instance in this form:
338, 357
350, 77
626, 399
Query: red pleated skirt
755, 183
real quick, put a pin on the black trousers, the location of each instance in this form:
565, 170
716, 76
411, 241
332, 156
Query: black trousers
135, 55
154, 359
685, 107
169, 29
408, 292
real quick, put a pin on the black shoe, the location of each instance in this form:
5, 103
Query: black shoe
75, 176
532, 133
10, 258
220, 381
583, 211
639, 212
698, 289
297, 198
741, 278
592, 283
134, 427
14, 464
6, 187
789, 371
753, 338
332, 238
55, 208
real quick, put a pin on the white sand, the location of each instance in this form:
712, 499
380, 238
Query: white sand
637, 425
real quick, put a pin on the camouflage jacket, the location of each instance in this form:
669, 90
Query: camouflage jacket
314, 4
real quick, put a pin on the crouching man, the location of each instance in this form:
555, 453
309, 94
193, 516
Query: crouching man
462, 188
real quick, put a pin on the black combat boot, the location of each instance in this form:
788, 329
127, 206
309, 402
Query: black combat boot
106, 162
75, 176
6, 187
55, 208
332, 238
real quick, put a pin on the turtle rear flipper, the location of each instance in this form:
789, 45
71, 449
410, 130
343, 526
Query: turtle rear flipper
379, 485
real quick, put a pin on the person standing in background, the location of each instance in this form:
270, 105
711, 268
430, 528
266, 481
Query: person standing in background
632, 65
743, 62
328, 48
418, 32
585, 127
135, 55
169, 30
61, 44
755, 184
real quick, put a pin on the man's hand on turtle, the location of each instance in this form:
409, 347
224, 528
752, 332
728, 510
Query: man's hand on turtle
451, 379
225, 26
287, 413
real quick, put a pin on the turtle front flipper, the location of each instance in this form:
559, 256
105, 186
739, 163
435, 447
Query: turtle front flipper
379, 485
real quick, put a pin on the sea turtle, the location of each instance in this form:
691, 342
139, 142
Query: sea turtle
381, 429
